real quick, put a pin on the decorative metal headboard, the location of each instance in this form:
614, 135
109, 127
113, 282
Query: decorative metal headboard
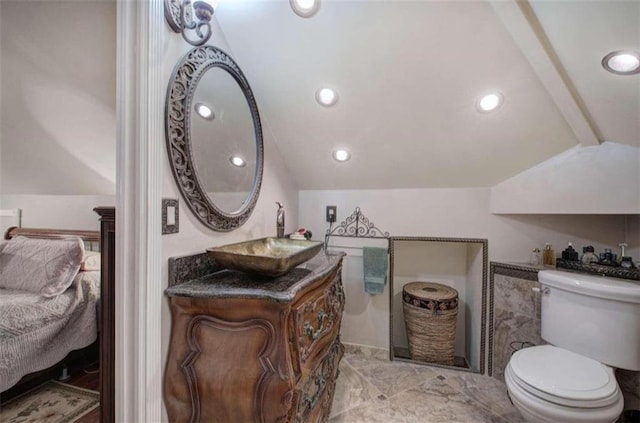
357, 225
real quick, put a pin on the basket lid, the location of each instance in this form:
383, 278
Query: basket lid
430, 291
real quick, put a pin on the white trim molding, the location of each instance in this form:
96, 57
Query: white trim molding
138, 211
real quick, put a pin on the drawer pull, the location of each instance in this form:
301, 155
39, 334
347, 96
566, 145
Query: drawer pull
308, 329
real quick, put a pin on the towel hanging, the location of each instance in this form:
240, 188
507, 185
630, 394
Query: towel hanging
375, 262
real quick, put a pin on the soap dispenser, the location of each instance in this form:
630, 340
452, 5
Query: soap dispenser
280, 220
548, 255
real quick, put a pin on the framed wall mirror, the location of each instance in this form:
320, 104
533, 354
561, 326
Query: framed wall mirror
438, 298
214, 138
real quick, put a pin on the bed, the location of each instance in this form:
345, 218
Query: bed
40, 326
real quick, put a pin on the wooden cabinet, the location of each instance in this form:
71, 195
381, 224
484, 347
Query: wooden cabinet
245, 349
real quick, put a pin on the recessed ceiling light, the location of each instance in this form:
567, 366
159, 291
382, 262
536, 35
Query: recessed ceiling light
489, 102
204, 111
305, 8
326, 97
622, 62
238, 161
341, 155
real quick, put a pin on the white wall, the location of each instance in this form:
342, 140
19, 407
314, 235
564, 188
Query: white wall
57, 109
598, 179
474, 293
1, 117
277, 185
463, 212
58, 211
58, 85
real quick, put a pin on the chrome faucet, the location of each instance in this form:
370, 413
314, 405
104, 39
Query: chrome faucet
280, 220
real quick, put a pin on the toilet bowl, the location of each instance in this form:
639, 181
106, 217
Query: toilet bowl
592, 324
549, 384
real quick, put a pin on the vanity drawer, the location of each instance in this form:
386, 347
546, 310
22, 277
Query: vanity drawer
316, 321
314, 394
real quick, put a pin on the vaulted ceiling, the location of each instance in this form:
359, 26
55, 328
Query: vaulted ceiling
409, 74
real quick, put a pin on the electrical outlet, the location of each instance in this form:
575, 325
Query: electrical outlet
331, 213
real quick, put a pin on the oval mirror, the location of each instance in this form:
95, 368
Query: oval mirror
214, 138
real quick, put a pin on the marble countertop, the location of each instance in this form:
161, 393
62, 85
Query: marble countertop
234, 284
605, 271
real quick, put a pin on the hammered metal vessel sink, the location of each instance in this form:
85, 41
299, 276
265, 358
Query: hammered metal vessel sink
266, 256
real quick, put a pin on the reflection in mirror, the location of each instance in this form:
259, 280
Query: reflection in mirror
214, 138
438, 296
223, 142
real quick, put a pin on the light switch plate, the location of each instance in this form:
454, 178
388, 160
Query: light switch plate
331, 213
170, 214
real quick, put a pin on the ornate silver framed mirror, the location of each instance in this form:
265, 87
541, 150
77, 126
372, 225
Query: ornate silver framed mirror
214, 138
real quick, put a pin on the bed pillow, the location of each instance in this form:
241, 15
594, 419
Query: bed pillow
41, 266
91, 261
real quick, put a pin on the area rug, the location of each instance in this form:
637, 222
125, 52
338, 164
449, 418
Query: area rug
52, 402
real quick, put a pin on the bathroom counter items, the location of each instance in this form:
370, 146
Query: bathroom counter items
245, 348
600, 269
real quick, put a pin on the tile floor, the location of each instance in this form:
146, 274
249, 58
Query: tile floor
373, 389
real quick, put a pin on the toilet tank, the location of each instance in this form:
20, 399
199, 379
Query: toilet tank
593, 316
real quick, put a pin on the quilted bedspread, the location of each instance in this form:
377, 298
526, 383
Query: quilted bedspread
37, 332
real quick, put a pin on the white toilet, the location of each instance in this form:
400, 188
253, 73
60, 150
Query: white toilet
593, 325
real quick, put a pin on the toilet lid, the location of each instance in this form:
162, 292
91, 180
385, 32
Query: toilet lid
564, 374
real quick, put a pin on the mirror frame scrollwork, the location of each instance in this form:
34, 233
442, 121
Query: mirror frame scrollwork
178, 111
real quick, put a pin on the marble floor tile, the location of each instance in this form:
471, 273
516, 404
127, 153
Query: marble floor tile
486, 392
352, 389
392, 378
360, 357
373, 389
416, 405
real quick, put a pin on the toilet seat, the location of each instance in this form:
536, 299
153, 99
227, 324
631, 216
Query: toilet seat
563, 377
538, 410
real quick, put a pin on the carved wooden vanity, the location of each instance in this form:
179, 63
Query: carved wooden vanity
247, 349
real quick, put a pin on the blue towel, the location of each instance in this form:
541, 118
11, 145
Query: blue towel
374, 261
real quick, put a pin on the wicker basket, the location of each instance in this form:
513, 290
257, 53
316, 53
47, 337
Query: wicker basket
430, 313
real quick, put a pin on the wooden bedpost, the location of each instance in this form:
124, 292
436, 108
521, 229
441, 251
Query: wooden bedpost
107, 312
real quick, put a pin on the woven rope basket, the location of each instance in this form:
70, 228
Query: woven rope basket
430, 314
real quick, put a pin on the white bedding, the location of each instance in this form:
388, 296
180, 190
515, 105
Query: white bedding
37, 332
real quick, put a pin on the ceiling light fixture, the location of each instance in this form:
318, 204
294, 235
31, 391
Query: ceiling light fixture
204, 111
326, 97
305, 8
489, 102
179, 16
341, 155
238, 161
622, 62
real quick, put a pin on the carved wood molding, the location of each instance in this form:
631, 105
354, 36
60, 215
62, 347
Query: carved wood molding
89, 236
317, 318
268, 369
320, 385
